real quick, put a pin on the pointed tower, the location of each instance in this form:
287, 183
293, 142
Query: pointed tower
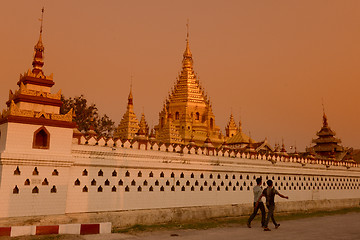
144, 127
326, 145
231, 129
129, 125
32, 119
189, 107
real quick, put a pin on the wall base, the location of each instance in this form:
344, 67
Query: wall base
156, 216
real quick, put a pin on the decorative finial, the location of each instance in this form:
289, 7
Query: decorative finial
187, 30
41, 20
325, 123
240, 127
187, 61
131, 80
130, 98
38, 61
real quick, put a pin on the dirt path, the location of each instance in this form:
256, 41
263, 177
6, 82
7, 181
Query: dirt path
344, 227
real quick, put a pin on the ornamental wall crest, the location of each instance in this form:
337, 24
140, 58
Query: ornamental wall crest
29, 73
15, 111
42, 114
24, 91
66, 117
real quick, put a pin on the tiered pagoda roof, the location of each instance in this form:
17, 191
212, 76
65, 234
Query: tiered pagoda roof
144, 127
33, 102
187, 87
327, 145
231, 129
129, 125
189, 107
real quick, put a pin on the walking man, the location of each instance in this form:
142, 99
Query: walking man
257, 193
269, 193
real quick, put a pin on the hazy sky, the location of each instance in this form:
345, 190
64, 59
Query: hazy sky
269, 62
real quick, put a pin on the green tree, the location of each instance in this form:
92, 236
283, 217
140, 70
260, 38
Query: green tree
87, 115
105, 126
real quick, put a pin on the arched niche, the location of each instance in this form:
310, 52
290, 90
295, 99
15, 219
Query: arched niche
41, 138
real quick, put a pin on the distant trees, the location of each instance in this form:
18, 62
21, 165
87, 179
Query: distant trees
87, 115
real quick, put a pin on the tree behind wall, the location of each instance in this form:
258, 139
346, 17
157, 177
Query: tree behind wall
87, 115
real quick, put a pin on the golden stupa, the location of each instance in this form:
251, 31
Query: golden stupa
129, 124
187, 112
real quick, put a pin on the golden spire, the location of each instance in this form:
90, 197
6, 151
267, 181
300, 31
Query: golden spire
187, 60
144, 127
38, 61
129, 124
130, 98
231, 129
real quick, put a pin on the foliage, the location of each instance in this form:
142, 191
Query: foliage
87, 115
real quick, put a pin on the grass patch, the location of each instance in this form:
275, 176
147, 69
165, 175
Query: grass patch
228, 221
298, 215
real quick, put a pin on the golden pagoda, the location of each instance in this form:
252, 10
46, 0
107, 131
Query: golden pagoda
144, 127
187, 111
129, 125
231, 129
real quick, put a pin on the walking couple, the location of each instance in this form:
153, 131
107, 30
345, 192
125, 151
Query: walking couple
269, 193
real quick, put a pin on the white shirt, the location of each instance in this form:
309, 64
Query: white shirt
257, 193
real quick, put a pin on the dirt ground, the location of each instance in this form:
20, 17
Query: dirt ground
345, 227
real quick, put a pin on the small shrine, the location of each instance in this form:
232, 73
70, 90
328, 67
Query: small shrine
129, 124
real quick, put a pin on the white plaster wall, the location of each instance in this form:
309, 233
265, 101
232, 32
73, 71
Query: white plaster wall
26, 203
3, 134
122, 200
245, 171
241, 172
19, 138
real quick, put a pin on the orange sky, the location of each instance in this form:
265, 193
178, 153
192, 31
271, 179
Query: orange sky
270, 62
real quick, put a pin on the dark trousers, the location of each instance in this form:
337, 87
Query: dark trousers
270, 214
256, 209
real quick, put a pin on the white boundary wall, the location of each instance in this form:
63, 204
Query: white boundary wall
96, 179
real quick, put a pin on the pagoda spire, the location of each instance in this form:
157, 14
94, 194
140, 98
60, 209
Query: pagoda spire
187, 110
231, 129
187, 60
144, 127
38, 61
130, 98
325, 123
129, 125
